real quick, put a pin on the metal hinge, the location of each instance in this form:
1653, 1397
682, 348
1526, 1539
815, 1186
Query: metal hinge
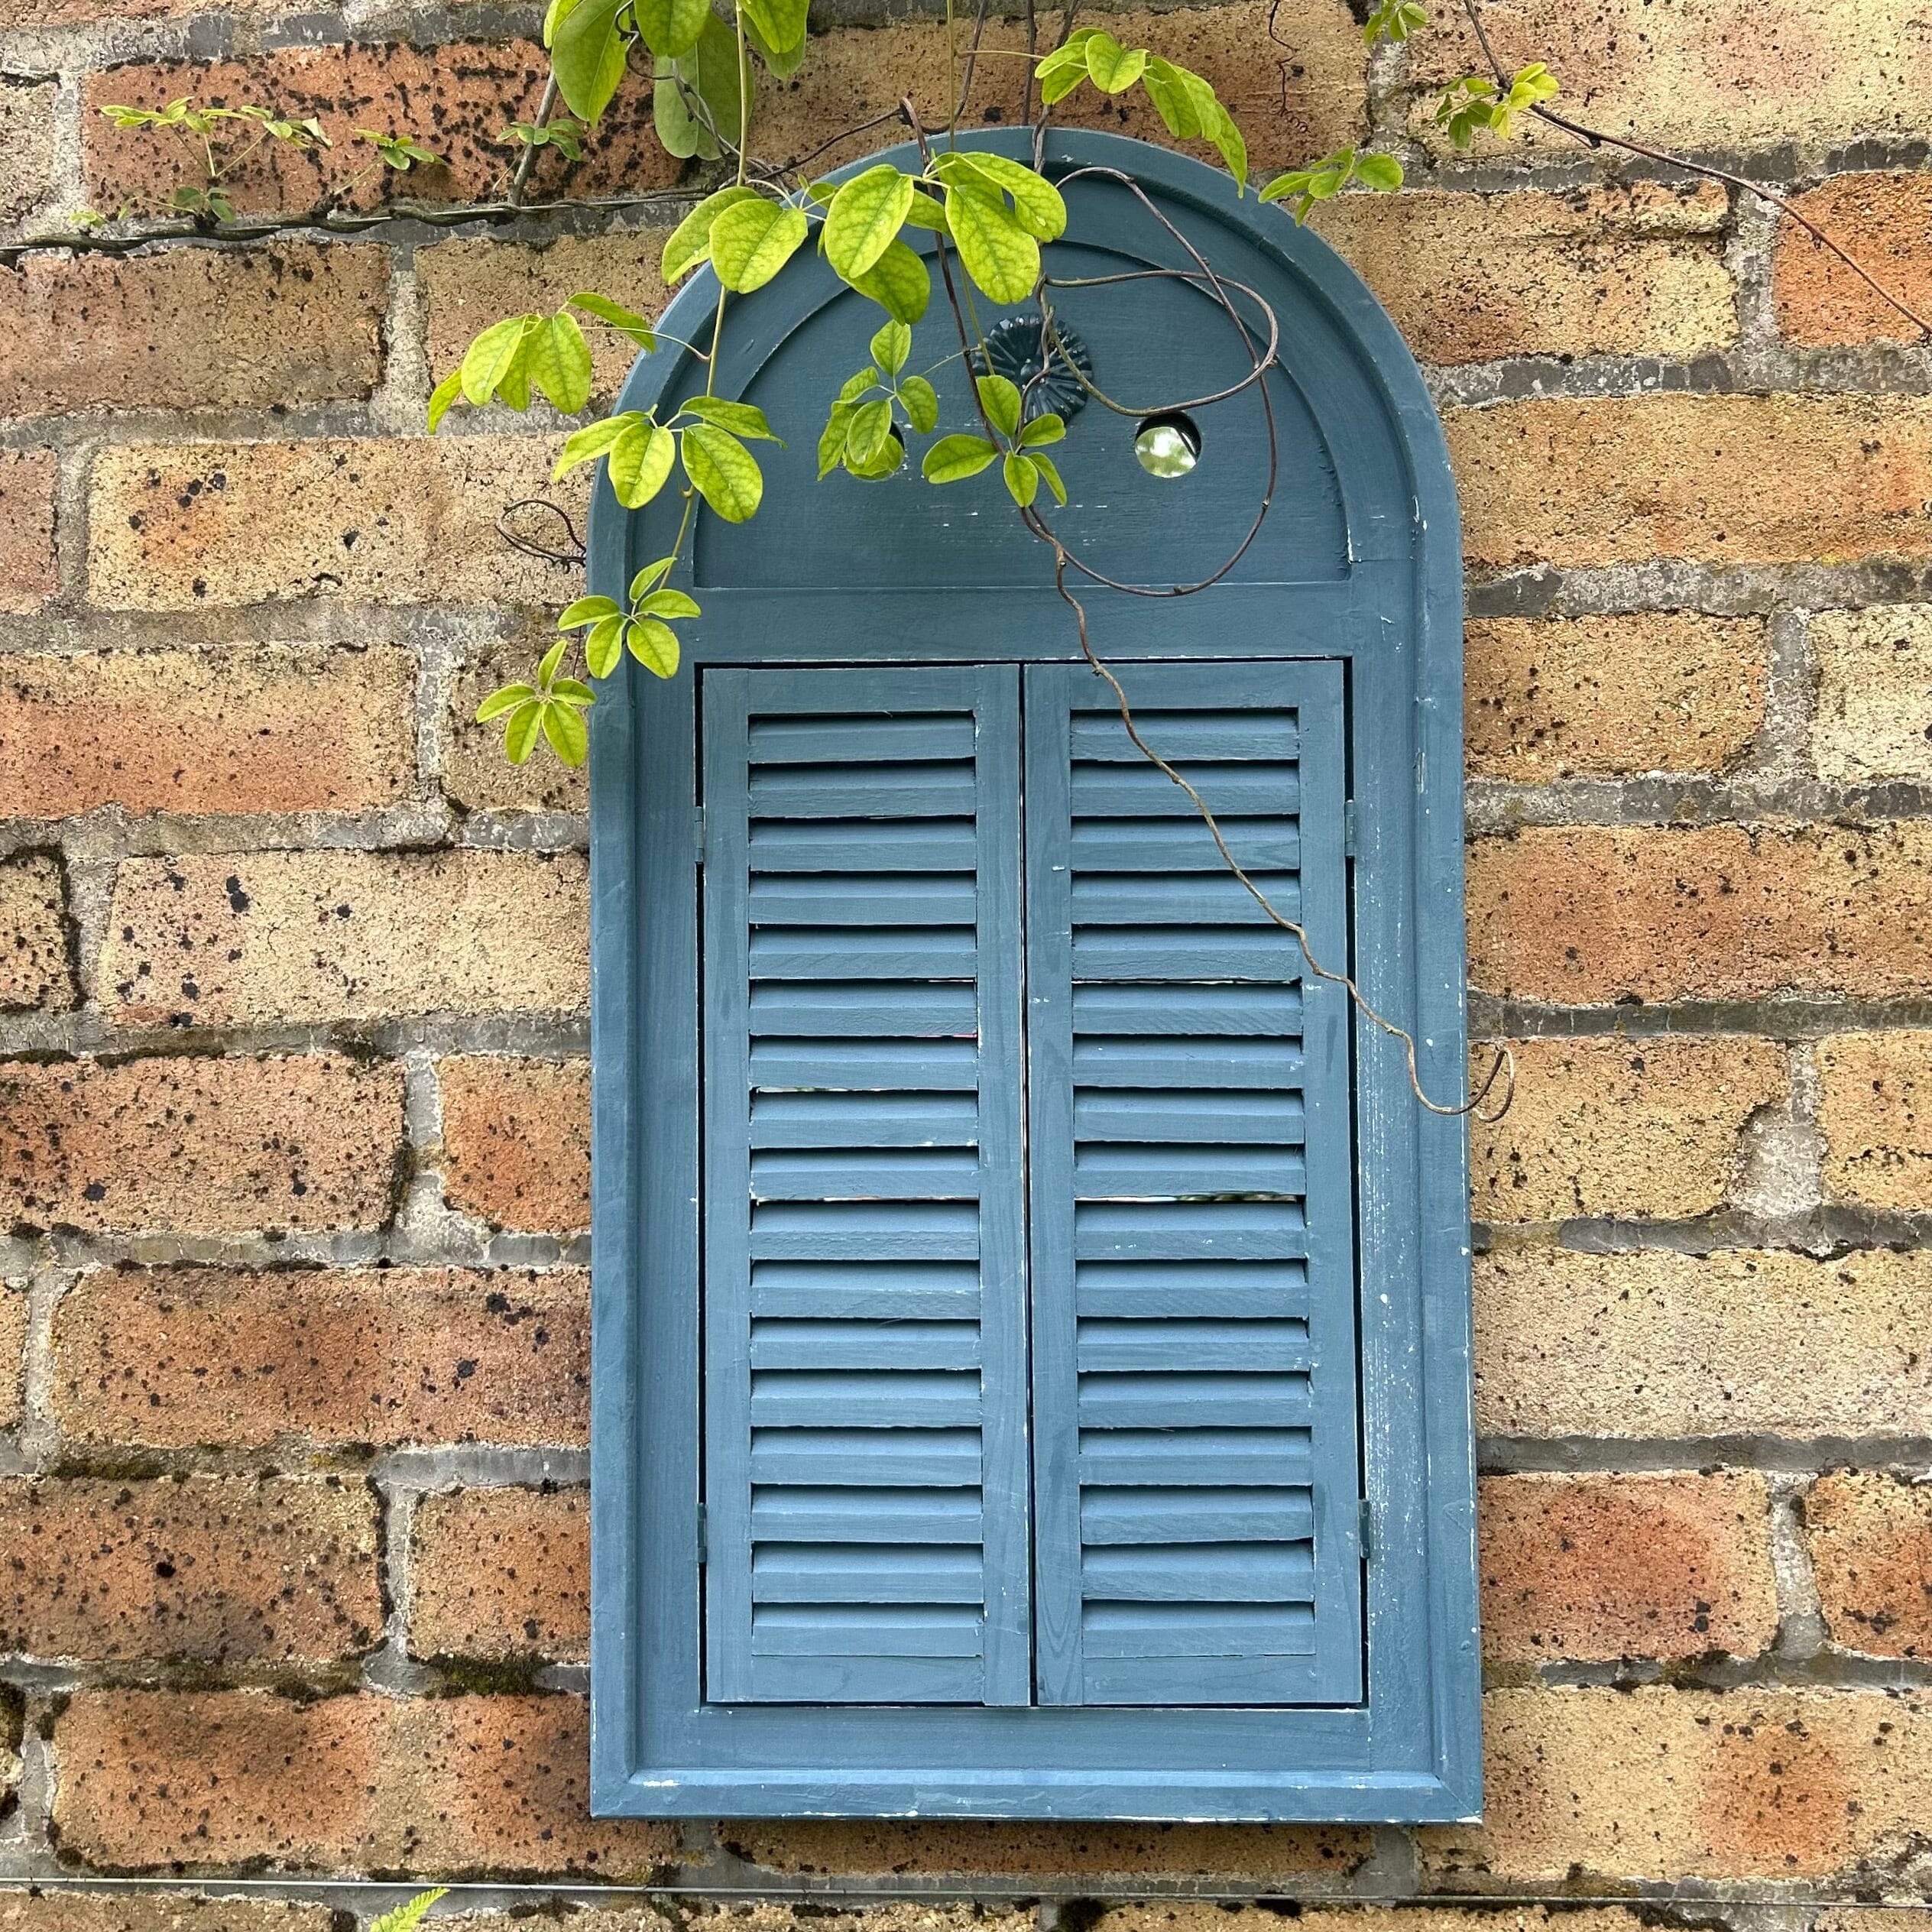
697, 833
1366, 1528
1348, 829
704, 1535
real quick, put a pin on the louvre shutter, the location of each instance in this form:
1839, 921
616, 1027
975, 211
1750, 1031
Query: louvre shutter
865, 1471
1195, 1372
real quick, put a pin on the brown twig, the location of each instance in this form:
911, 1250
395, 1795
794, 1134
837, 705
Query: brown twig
529, 545
545, 106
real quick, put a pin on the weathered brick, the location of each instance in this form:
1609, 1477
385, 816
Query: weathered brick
224, 940
307, 1140
496, 1784
205, 525
64, 1909
1870, 1535
217, 1569
926, 1915
1045, 1851
1634, 270
501, 1574
13, 1352
1599, 1568
1492, 1915
1590, 915
167, 1358
475, 772
1879, 218
26, 161
1875, 1108
1601, 481
1700, 75
515, 1141
1295, 97
471, 284
1603, 1126
1736, 1343
1873, 719
29, 573
261, 727
1603, 696
36, 969
190, 327
455, 98
1677, 1784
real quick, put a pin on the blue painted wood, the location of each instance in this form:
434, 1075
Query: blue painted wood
1359, 566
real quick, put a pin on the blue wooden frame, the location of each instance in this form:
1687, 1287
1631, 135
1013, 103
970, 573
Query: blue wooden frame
1381, 593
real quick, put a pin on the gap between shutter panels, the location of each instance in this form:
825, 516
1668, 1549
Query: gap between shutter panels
1179, 1542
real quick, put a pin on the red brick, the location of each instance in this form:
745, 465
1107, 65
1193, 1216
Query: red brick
62, 1908
296, 324
464, 1784
1870, 1533
230, 1570
29, 574
1593, 915
1882, 221
1599, 1568
501, 1574
1602, 480
515, 1141
168, 1358
36, 965
247, 937
261, 727
454, 99
214, 1144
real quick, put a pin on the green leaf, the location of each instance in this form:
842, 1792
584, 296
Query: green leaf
900, 282
1184, 101
864, 218
831, 444
741, 419
953, 459
587, 54
570, 691
1041, 430
1047, 467
407, 1917
651, 574
859, 383
640, 460
667, 603
1000, 400
655, 646
690, 241
494, 353
506, 698
564, 727
891, 454
552, 658
891, 346
604, 647
1232, 148
724, 473
716, 74
519, 735
622, 319
443, 396
871, 424
1394, 19
587, 610
780, 24
1114, 68
1063, 69
1382, 172
586, 445
559, 362
927, 213
1023, 480
752, 241
1038, 205
779, 61
671, 27
1000, 255
922, 402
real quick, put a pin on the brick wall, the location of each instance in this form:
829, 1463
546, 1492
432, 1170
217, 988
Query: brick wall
293, 1136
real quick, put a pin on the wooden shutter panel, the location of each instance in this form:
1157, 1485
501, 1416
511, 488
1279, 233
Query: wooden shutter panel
865, 1470
1194, 1374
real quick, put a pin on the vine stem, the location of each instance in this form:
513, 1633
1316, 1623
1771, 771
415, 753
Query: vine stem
1601, 138
526, 161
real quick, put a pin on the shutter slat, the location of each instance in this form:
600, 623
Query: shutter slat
865, 1409
1193, 1325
